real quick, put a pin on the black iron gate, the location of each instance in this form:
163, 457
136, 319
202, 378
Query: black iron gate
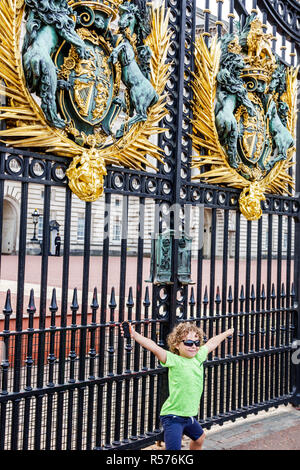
68, 379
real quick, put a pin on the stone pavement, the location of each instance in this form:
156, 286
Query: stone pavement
276, 429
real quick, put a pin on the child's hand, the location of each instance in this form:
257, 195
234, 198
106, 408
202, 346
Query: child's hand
230, 331
126, 330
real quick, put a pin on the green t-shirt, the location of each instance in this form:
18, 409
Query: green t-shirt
185, 383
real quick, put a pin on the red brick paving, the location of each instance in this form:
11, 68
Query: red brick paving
287, 439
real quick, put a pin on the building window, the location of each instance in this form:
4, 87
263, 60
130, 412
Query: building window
117, 202
80, 229
117, 229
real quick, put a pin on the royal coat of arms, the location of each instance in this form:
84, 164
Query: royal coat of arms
244, 115
84, 79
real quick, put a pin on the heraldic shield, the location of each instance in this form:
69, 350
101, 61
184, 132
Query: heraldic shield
245, 109
92, 82
86, 81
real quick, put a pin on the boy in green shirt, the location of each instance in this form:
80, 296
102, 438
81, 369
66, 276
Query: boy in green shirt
185, 363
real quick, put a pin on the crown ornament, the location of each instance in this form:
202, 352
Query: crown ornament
260, 61
111, 7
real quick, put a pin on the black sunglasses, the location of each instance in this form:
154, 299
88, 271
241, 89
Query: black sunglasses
190, 342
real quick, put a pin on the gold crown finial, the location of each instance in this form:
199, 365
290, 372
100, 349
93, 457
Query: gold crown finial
260, 61
111, 7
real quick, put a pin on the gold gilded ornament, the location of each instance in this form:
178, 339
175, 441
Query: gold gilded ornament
250, 200
94, 94
245, 111
86, 175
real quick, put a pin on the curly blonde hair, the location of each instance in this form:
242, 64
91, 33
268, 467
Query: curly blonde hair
180, 332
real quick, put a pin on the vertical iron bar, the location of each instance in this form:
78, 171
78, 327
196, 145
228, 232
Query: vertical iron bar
83, 330
259, 363
120, 353
103, 317
264, 373
19, 307
235, 365
29, 363
92, 355
43, 306
7, 311
63, 320
231, 16
138, 303
295, 372
51, 362
278, 372
111, 352
72, 358
241, 335
219, 21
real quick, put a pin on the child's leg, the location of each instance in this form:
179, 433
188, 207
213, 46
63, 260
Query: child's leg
197, 445
195, 432
173, 430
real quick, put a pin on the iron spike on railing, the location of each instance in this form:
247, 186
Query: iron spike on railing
111, 350
147, 298
31, 310
94, 306
112, 303
242, 297
93, 324
53, 308
51, 358
293, 294
6, 332
74, 306
130, 302
7, 311
128, 346
29, 360
273, 294
230, 302
72, 354
205, 301
241, 333
230, 296
192, 303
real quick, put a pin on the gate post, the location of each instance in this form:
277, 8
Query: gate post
295, 400
178, 148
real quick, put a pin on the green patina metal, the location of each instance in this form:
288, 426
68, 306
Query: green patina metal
74, 62
161, 259
250, 112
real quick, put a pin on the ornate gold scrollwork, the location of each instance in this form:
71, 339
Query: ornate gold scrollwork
245, 108
86, 175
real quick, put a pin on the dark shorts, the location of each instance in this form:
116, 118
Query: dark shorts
176, 426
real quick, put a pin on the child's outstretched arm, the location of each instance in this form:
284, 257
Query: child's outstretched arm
214, 342
147, 343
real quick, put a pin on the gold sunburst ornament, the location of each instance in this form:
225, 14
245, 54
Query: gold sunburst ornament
245, 109
86, 109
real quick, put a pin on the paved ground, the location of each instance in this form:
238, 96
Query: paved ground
277, 429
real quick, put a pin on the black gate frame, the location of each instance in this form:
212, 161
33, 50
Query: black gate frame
266, 321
